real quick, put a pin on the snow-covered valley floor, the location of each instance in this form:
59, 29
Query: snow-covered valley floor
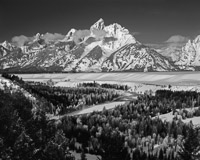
138, 81
161, 78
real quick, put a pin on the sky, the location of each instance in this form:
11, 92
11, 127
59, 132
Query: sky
151, 21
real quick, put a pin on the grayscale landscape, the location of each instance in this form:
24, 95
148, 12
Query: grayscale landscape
100, 80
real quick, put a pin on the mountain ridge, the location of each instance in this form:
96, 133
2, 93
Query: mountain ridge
100, 49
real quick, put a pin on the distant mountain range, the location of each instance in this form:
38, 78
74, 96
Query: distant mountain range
98, 49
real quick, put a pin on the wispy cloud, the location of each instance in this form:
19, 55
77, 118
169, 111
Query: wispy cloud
80, 34
135, 33
177, 39
52, 36
173, 41
99, 33
20, 40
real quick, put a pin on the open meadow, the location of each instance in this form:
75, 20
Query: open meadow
161, 78
138, 81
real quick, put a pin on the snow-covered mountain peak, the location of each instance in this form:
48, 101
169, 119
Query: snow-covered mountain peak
112, 36
7, 45
116, 26
190, 53
70, 34
98, 25
197, 39
37, 37
193, 45
189, 42
120, 33
102, 48
116, 30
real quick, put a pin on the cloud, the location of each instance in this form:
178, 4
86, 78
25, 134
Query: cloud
80, 34
99, 34
52, 37
177, 39
20, 40
173, 41
155, 46
135, 33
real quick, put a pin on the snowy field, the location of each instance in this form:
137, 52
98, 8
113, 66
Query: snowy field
88, 156
161, 78
138, 81
169, 117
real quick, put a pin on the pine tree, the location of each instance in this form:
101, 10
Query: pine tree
56, 147
161, 155
23, 147
191, 145
83, 156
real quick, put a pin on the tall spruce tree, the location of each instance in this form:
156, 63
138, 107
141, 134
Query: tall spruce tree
191, 146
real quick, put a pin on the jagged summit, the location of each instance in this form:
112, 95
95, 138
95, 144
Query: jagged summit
190, 54
37, 37
98, 25
7, 45
70, 34
197, 39
100, 48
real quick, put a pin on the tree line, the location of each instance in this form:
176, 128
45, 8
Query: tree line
62, 100
104, 85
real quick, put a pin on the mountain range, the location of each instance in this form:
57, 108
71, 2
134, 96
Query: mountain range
99, 49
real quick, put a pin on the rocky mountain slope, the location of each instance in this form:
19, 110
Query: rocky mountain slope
190, 54
101, 48
171, 51
185, 56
